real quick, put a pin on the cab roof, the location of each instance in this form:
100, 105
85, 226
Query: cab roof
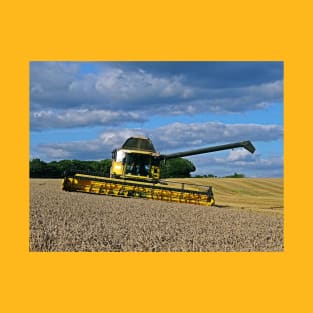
139, 143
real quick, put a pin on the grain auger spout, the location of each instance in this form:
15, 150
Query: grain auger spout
243, 144
136, 173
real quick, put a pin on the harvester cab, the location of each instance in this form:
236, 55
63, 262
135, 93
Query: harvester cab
137, 158
135, 173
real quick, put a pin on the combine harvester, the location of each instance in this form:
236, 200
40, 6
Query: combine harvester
135, 173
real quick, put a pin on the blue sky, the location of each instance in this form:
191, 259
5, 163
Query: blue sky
82, 110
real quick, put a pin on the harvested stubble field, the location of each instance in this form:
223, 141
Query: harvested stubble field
248, 217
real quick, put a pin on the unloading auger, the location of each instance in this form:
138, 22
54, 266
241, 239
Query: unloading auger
135, 173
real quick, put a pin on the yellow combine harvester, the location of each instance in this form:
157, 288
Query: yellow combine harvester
135, 172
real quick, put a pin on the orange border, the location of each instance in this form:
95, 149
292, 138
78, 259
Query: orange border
161, 282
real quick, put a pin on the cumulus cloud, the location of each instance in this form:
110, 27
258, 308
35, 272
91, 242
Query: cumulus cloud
58, 89
112, 88
168, 138
213, 74
252, 165
179, 135
240, 155
80, 118
120, 85
96, 149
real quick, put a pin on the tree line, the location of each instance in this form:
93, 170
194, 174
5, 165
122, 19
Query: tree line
173, 168
56, 169
235, 175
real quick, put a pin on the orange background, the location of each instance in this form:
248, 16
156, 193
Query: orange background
161, 282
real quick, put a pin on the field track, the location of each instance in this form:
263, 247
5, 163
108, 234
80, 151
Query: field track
248, 217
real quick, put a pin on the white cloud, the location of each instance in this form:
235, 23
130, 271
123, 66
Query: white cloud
119, 85
173, 137
104, 89
96, 149
79, 118
179, 135
254, 165
115, 138
239, 155
61, 87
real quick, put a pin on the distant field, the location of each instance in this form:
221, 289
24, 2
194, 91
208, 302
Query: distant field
249, 193
248, 217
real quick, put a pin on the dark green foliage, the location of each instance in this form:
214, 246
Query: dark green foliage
177, 168
205, 176
39, 169
54, 169
235, 175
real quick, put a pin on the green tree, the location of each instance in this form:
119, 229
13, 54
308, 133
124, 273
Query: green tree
235, 175
54, 169
37, 168
177, 168
104, 166
64, 165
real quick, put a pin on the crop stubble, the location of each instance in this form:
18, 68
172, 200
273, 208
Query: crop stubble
70, 221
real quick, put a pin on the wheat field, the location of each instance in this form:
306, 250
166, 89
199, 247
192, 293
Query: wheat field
246, 193
248, 216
